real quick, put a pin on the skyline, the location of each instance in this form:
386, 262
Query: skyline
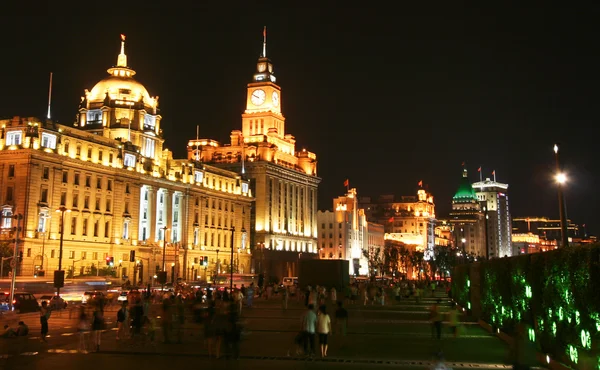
435, 98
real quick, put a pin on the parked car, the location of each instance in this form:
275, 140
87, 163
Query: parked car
55, 302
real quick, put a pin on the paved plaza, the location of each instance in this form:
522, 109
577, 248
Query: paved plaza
397, 334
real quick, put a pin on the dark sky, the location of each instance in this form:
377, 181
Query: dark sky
384, 96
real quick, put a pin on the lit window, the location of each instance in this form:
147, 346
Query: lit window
43, 220
149, 121
94, 117
14, 138
7, 218
199, 177
244, 187
148, 148
48, 140
129, 160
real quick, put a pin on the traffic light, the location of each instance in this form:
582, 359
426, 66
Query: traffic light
205, 261
112, 261
59, 278
107, 261
131, 256
161, 277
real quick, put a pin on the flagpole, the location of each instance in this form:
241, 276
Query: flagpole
494, 172
480, 174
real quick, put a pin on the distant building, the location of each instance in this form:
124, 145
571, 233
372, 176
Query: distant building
283, 179
409, 219
493, 198
545, 228
443, 233
467, 220
344, 233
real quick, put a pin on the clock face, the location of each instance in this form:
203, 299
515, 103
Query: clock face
275, 98
258, 97
262, 67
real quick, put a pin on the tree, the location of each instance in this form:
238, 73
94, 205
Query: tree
444, 260
404, 259
374, 258
6, 250
391, 255
416, 262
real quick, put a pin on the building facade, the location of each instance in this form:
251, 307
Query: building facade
283, 179
409, 219
344, 233
493, 199
118, 193
467, 220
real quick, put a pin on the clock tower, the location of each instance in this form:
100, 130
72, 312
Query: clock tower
263, 103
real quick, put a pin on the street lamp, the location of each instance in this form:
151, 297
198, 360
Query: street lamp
464, 254
231, 261
59, 284
561, 179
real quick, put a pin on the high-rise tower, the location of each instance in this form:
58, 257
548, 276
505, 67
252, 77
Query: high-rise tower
467, 219
493, 198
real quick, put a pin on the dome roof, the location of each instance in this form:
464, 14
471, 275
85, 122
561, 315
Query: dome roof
118, 87
465, 192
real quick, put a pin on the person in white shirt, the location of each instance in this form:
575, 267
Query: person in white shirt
308, 327
323, 328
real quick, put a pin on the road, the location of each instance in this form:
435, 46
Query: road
396, 335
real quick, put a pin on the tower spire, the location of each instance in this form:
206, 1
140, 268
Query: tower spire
264, 53
122, 58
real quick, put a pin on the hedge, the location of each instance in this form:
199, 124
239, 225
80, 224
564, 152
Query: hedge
555, 294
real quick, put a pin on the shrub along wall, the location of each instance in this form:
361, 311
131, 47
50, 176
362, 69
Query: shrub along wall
555, 294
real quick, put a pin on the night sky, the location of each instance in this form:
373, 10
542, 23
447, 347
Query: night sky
385, 97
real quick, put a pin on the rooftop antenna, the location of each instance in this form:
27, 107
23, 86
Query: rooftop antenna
243, 154
49, 97
264, 42
197, 138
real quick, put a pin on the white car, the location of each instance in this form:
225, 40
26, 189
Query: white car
122, 297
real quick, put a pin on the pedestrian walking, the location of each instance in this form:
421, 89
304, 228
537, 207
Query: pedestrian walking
436, 320
97, 326
453, 319
44, 317
324, 329
309, 323
83, 327
122, 321
285, 294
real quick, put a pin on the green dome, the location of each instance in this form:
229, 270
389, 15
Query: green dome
465, 192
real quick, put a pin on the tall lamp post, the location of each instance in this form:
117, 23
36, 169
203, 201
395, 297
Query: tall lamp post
561, 179
60, 272
164, 268
231, 262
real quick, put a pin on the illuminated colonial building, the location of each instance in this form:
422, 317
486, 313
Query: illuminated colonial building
443, 233
467, 220
344, 233
409, 219
493, 200
283, 180
119, 191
